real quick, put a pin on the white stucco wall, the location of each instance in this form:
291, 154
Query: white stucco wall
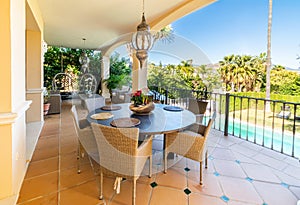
18, 26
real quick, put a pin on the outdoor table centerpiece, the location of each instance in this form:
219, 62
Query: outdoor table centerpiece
141, 103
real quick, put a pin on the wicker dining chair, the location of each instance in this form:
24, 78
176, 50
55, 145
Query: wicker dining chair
94, 103
120, 155
86, 140
198, 107
190, 143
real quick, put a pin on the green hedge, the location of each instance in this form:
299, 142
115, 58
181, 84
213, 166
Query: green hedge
239, 102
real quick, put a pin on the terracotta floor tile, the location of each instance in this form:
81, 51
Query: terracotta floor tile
108, 188
42, 167
292, 171
211, 185
195, 199
50, 130
125, 196
146, 179
234, 202
234, 188
84, 194
226, 141
38, 186
58, 132
71, 140
243, 150
47, 142
70, 177
260, 172
296, 191
275, 194
228, 168
41, 154
290, 180
243, 158
70, 160
226, 154
51, 199
271, 162
175, 178
177, 162
168, 196
250, 145
67, 149
195, 166
145, 173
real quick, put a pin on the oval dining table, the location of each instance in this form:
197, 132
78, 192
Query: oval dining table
158, 121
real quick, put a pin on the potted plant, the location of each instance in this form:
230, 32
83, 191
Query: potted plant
141, 103
46, 103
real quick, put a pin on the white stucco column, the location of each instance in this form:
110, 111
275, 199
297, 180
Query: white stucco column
34, 75
105, 64
139, 75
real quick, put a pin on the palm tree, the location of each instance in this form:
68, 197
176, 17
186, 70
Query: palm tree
166, 34
268, 80
226, 71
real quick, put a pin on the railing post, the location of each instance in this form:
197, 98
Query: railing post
226, 114
166, 98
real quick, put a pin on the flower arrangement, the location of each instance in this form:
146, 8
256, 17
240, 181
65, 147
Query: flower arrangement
139, 98
142, 102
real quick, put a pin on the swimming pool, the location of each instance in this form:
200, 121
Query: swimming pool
265, 136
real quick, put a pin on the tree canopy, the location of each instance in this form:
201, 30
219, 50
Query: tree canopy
183, 76
66, 60
245, 73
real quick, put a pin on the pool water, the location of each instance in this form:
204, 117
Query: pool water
265, 136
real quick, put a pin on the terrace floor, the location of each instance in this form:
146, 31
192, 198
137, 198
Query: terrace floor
239, 173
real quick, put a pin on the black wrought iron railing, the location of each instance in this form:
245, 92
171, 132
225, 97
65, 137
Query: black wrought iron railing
270, 123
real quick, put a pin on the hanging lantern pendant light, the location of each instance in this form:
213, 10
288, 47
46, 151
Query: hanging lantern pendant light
142, 40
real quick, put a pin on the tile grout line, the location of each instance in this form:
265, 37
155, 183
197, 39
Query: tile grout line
218, 180
59, 160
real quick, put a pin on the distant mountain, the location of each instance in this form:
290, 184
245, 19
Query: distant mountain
293, 69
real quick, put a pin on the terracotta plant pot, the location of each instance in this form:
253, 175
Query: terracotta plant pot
46, 108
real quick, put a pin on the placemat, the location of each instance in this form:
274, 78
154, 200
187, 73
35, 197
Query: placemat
111, 107
125, 122
173, 108
102, 116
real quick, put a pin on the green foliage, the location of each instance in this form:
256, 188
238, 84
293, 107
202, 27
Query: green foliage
292, 88
166, 34
52, 65
119, 72
243, 73
238, 103
182, 76
60, 60
187, 73
285, 82
247, 73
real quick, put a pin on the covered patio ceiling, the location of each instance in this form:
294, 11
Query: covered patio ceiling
101, 23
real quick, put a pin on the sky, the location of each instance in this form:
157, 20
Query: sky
240, 27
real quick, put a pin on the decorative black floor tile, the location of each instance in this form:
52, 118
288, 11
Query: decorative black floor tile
187, 191
186, 169
153, 184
